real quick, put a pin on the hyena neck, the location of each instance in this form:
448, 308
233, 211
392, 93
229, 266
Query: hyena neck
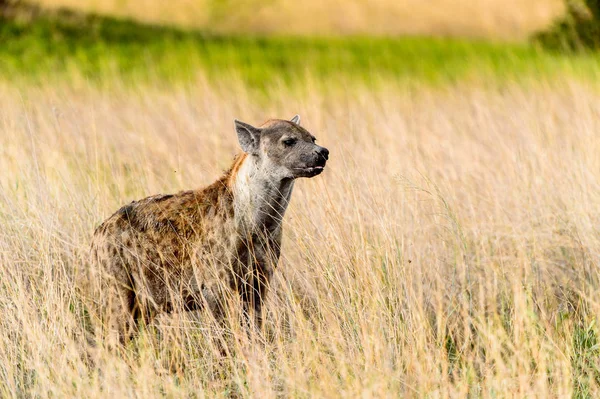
260, 197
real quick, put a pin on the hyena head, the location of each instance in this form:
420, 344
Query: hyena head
283, 148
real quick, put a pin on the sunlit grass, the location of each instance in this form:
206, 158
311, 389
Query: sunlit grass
450, 247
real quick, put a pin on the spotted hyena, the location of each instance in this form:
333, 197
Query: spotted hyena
193, 249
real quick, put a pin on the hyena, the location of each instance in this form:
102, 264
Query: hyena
193, 249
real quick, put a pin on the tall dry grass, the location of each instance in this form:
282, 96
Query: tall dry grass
508, 19
450, 248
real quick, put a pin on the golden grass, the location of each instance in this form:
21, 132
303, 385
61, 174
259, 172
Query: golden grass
508, 19
450, 247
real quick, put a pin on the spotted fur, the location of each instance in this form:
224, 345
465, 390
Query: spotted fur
193, 249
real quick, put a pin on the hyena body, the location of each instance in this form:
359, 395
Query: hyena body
194, 249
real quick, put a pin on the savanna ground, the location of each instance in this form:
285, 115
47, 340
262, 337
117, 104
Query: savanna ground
450, 248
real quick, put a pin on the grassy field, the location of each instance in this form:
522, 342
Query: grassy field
449, 249
70, 47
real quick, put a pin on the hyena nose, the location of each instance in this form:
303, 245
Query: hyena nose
324, 152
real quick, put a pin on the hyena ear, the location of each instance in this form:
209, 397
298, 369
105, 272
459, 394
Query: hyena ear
296, 119
248, 136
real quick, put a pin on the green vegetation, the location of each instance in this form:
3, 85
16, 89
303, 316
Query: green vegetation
584, 359
57, 45
578, 30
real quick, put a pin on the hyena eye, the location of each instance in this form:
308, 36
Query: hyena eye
289, 142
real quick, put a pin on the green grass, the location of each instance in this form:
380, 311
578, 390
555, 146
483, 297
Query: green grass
57, 45
584, 360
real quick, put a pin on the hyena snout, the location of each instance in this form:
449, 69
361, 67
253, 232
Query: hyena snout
312, 163
323, 154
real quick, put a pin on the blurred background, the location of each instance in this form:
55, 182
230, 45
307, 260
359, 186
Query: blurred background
270, 40
510, 19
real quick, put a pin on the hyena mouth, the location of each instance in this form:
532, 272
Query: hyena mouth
311, 170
